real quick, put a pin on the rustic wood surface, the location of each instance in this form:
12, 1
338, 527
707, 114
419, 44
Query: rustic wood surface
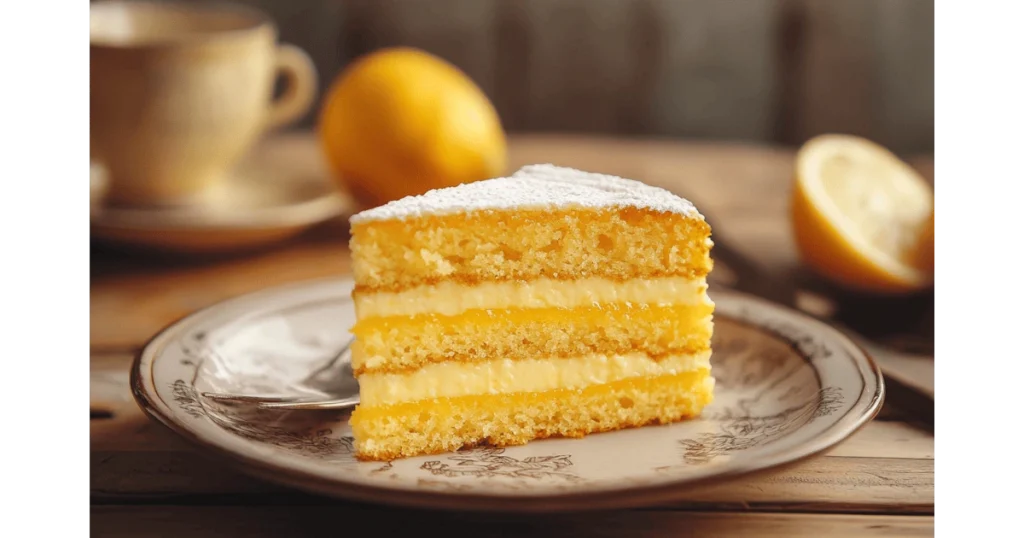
880, 482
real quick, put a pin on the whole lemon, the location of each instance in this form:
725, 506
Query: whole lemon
401, 121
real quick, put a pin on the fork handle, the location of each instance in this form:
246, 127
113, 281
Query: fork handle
246, 398
342, 403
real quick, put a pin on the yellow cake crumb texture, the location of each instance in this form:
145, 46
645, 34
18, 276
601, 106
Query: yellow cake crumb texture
550, 303
617, 244
403, 343
448, 424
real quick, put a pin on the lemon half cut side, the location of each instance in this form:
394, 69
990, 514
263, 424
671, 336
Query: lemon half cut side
862, 217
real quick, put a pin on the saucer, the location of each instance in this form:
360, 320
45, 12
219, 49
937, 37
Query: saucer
97, 188
788, 387
280, 189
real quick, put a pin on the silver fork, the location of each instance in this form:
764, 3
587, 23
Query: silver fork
334, 378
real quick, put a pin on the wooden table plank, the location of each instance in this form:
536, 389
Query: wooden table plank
822, 484
888, 440
885, 467
274, 521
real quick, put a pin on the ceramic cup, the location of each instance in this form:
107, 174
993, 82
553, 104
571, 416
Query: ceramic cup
179, 91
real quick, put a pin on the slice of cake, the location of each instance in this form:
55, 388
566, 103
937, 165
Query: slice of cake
553, 302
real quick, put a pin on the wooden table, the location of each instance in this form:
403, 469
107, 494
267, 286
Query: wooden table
147, 482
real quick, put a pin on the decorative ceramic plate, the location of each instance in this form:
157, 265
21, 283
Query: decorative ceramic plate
788, 387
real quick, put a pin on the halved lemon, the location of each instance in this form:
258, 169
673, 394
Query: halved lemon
862, 217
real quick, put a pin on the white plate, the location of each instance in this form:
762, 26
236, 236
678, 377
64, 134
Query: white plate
788, 387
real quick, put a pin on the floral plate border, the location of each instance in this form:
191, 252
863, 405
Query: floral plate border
814, 340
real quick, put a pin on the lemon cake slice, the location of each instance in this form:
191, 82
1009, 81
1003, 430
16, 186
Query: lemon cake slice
553, 302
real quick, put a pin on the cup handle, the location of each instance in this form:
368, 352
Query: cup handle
300, 77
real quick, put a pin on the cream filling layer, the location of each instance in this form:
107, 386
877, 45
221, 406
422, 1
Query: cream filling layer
452, 379
453, 298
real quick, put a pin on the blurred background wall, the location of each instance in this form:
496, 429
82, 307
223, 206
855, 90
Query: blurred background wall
772, 71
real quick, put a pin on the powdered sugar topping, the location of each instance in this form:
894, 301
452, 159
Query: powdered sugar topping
535, 186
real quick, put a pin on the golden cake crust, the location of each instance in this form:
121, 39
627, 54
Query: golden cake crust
618, 244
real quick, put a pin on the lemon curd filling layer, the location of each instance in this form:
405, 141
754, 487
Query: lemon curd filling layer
449, 298
387, 432
610, 312
451, 379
